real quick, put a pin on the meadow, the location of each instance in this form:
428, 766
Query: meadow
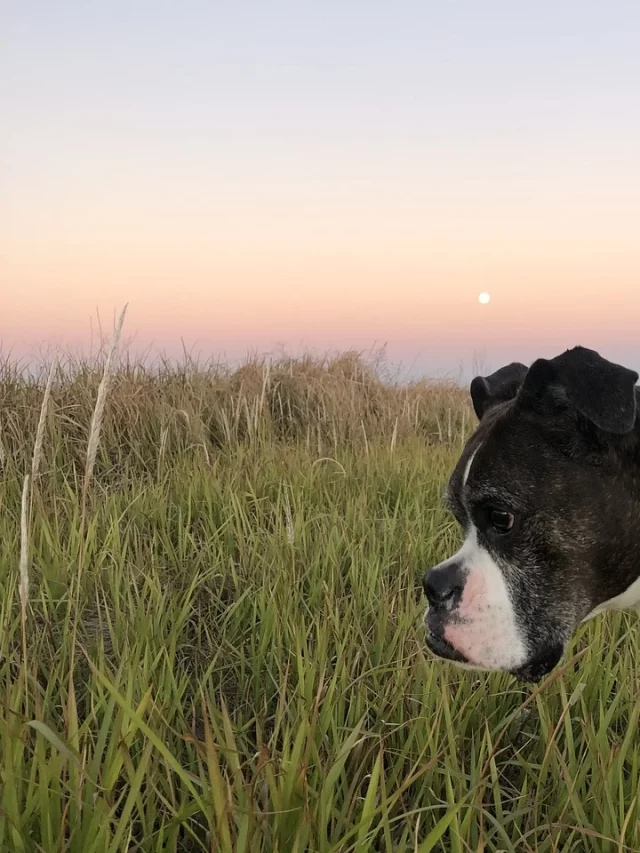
211, 635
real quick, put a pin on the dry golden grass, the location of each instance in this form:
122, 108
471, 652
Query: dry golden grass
321, 404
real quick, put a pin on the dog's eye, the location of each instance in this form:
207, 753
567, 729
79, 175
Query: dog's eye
501, 520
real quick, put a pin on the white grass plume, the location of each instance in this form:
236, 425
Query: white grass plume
98, 412
37, 448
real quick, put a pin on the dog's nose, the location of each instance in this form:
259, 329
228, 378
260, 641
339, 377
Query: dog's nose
443, 585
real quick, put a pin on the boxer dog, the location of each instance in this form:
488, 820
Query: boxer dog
547, 492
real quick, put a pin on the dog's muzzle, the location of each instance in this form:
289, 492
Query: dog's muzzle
443, 587
486, 645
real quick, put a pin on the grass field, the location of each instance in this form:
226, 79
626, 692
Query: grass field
220, 644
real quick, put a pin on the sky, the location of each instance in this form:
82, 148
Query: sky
322, 175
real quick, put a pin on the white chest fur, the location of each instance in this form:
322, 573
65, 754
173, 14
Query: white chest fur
627, 600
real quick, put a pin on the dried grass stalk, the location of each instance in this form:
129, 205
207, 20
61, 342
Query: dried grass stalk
23, 587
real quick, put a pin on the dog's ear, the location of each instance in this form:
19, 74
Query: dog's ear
488, 391
580, 378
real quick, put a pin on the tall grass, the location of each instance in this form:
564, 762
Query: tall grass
248, 671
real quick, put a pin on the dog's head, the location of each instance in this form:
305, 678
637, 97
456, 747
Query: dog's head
546, 494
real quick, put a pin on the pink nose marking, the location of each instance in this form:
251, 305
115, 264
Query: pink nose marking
473, 589
458, 636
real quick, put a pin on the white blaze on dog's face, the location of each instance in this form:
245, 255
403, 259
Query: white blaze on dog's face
483, 630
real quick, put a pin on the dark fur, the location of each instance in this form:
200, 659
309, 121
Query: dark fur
559, 447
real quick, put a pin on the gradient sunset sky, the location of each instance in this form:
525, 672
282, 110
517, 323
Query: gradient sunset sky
326, 175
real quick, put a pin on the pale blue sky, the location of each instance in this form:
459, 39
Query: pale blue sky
332, 77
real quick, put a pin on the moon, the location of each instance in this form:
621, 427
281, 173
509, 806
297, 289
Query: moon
484, 298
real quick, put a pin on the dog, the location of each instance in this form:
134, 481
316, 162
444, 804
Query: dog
547, 492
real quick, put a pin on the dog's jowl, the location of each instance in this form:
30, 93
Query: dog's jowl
547, 492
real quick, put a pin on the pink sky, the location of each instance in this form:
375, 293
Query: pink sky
309, 188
